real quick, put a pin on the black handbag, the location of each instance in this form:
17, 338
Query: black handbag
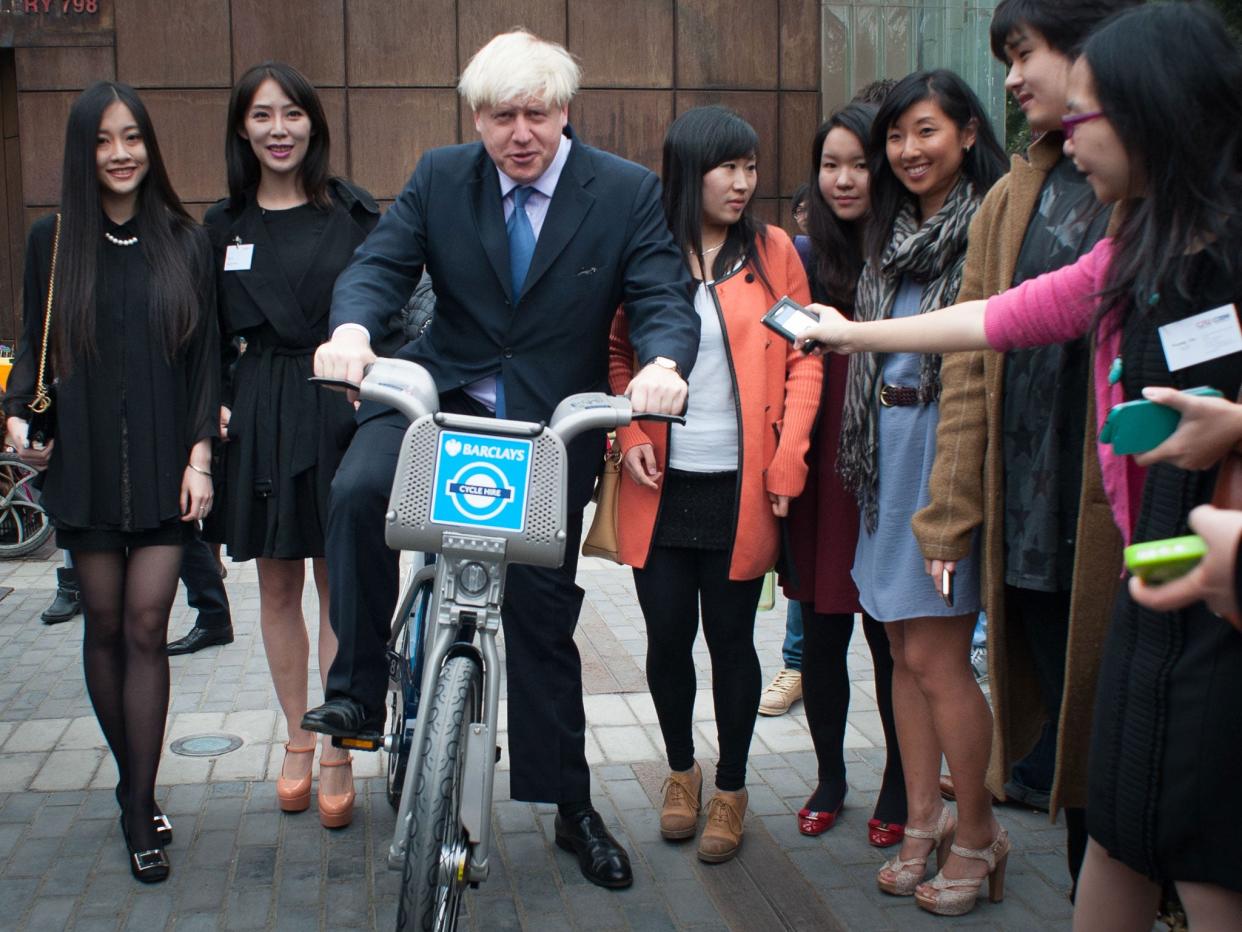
42, 407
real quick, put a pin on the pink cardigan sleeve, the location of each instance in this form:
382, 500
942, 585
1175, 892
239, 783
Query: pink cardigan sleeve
1052, 308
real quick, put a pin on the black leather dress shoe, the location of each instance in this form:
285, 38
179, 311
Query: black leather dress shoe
198, 638
600, 856
341, 717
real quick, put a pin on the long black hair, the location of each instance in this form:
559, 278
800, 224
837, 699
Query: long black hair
243, 165
837, 245
983, 164
696, 142
1169, 80
165, 235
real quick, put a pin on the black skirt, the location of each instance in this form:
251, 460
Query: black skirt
173, 533
698, 510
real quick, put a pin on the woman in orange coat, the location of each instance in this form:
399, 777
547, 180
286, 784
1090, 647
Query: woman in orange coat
699, 504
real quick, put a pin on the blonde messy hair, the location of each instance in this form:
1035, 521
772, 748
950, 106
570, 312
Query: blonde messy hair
519, 66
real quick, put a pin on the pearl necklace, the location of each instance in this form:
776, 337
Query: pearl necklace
118, 241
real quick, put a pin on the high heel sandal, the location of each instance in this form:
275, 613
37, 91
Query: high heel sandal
163, 826
946, 897
908, 873
149, 866
336, 811
294, 795
885, 834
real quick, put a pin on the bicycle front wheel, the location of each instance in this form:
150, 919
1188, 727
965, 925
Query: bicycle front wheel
24, 525
436, 852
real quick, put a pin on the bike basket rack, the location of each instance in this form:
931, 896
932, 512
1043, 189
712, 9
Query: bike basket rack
409, 521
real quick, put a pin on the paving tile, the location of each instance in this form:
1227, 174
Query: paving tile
65, 770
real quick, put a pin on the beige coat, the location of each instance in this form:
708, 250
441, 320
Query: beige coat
967, 489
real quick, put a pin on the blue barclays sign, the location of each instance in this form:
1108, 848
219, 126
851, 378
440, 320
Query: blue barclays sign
481, 482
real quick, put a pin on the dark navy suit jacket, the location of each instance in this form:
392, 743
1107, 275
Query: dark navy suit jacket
604, 242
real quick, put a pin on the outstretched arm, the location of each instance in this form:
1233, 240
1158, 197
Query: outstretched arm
957, 327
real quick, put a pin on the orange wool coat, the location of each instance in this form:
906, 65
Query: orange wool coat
777, 389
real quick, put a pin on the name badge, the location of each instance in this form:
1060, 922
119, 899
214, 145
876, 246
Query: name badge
1209, 335
237, 258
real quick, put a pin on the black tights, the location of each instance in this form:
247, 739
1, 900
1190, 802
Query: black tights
826, 698
126, 599
670, 590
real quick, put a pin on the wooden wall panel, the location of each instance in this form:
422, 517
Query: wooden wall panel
728, 43
390, 129
643, 59
479, 20
800, 45
630, 123
799, 120
191, 126
334, 108
162, 44
393, 44
313, 41
66, 68
41, 117
760, 109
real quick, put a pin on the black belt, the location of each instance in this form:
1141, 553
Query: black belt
900, 396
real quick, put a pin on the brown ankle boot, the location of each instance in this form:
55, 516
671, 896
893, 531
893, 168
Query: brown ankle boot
723, 833
683, 798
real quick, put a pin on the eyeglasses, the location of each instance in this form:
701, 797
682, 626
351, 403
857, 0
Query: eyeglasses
800, 210
1072, 121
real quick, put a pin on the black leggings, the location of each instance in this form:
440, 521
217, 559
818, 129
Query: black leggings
672, 586
126, 599
826, 698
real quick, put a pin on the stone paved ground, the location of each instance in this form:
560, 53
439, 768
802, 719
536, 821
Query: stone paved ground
239, 864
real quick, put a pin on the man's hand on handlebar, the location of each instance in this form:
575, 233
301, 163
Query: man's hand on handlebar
344, 357
657, 390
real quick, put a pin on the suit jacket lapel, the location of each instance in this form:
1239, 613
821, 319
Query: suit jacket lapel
489, 220
571, 202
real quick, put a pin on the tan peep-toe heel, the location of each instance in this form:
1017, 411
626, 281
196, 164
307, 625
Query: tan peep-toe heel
899, 876
946, 897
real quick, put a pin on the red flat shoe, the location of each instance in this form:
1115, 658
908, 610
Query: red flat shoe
811, 822
885, 834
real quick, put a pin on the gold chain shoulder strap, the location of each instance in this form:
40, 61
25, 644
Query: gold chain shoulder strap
42, 400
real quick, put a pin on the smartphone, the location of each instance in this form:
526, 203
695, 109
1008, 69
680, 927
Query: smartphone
946, 587
1142, 425
790, 319
1160, 561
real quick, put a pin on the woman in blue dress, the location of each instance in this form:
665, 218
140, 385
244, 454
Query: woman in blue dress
934, 157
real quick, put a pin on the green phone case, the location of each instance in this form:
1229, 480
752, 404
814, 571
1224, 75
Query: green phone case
1142, 425
1159, 561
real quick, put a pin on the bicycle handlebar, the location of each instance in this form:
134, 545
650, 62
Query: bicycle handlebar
408, 387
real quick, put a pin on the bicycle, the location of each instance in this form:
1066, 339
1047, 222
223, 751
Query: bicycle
481, 493
24, 525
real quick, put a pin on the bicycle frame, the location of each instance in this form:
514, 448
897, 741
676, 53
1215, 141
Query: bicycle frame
510, 508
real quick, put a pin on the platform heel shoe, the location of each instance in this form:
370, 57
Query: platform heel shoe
946, 897
900, 876
149, 866
336, 810
294, 795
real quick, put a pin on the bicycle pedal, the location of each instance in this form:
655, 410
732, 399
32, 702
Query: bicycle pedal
361, 742
498, 753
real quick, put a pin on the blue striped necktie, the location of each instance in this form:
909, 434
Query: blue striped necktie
521, 249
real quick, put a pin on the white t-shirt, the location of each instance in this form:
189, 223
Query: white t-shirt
708, 442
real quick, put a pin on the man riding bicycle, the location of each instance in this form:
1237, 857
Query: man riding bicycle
532, 239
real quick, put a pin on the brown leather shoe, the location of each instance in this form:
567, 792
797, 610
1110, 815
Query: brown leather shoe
947, 789
723, 835
683, 798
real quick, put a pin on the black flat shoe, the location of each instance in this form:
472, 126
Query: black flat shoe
341, 717
198, 638
149, 866
600, 856
163, 825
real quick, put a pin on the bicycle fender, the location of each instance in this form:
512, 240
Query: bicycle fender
480, 761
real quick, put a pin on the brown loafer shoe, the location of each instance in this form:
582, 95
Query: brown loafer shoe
683, 798
722, 837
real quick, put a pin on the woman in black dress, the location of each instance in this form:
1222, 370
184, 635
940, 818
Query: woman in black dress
281, 237
1157, 131
133, 354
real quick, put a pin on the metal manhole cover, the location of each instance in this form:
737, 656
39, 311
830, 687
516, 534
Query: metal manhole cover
205, 745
